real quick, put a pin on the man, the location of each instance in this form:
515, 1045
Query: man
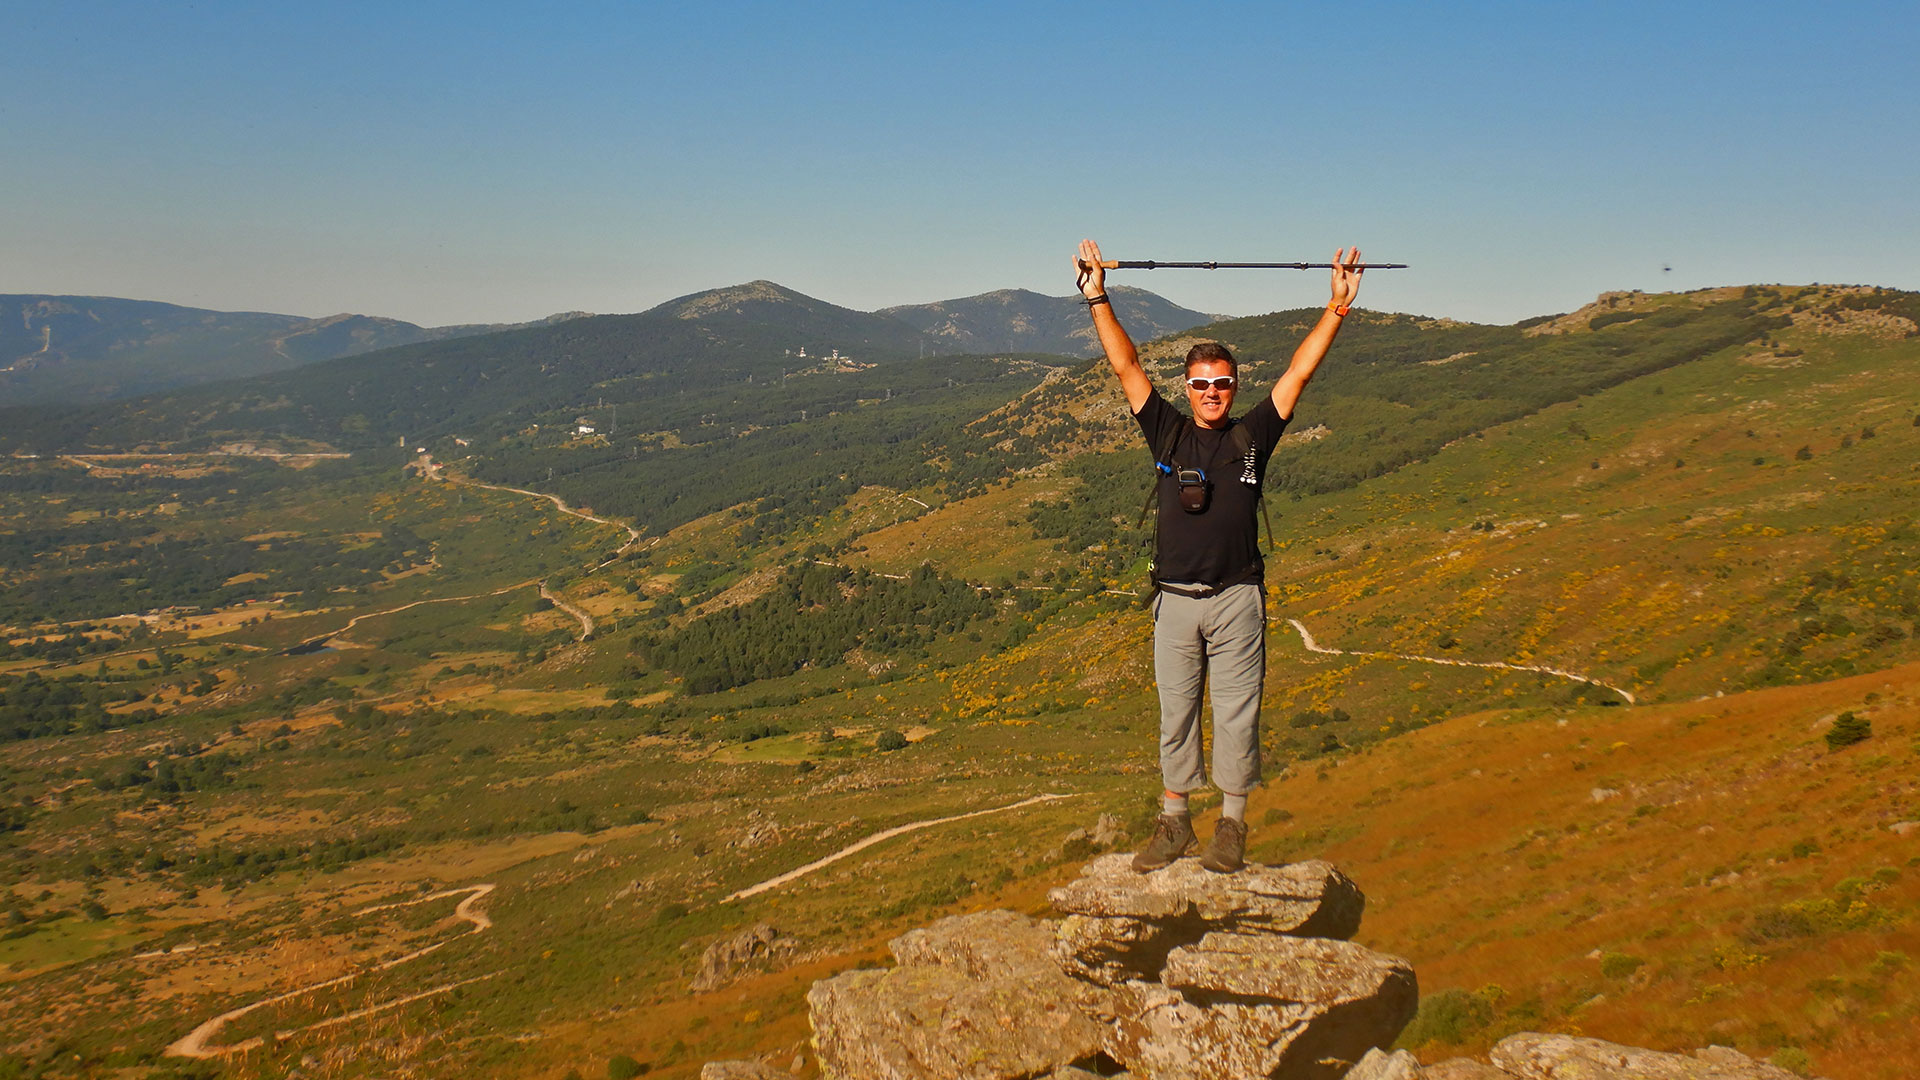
1209, 618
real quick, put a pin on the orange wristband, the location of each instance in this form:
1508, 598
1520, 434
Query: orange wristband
1340, 309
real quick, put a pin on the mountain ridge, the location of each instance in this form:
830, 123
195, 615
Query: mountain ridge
1021, 320
71, 349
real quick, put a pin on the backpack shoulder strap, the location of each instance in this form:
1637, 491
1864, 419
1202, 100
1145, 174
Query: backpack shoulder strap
1160, 468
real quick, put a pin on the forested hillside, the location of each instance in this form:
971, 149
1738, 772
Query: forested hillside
1018, 320
66, 350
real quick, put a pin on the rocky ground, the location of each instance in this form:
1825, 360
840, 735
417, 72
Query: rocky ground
1180, 974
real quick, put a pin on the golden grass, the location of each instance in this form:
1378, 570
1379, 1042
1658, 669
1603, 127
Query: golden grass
981, 538
1489, 861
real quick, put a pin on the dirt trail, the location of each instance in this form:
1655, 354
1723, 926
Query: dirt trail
1314, 646
633, 534
194, 1043
886, 834
436, 470
586, 620
351, 623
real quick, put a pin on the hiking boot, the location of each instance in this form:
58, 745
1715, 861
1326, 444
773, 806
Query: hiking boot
1228, 850
1172, 838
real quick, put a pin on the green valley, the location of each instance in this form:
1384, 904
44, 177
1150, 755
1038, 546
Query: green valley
424, 712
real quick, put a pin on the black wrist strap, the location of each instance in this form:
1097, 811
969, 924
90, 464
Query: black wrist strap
1101, 299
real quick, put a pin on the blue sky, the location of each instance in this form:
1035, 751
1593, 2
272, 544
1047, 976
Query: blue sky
491, 162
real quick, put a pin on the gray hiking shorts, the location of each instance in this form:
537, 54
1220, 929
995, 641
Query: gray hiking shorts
1219, 642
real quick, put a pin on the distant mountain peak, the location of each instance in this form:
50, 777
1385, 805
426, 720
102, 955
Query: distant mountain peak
733, 299
1021, 320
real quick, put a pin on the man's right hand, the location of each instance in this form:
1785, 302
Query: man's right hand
1091, 276
1092, 279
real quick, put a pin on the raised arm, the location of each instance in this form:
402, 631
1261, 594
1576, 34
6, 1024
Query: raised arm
1113, 339
1312, 350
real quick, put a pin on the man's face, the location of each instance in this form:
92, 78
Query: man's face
1211, 404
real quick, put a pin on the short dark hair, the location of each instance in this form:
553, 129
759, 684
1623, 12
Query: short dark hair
1211, 352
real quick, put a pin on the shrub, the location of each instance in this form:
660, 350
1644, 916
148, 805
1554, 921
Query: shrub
1848, 729
670, 912
1883, 634
622, 1067
1792, 1059
1778, 924
1886, 963
1616, 965
1805, 453
891, 740
1806, 918
1450, 1016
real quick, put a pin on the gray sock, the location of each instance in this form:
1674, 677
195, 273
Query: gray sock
1173, 805
1233, 806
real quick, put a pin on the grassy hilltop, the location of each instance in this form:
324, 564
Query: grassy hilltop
913, 603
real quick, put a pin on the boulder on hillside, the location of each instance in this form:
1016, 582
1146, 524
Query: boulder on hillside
741, 1070
1121, 925
723, 960
1463, 1069
976, 998
1262, 1006
1532, 1056
1380, 1065
1107, 832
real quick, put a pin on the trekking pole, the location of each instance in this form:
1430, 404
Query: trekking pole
1150, 264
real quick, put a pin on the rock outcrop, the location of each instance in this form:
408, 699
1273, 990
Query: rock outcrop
741, 1070
1566, 1057
975, 996
1175, 975
1263, 1006
1380, 1065
1461, 1069
1121, 925
723, 960
1180, 974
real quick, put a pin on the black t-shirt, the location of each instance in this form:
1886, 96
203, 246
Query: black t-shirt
1222, 541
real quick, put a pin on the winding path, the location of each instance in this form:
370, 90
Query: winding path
1314, 646
351, 623
586, 620
885, 834
633, 534
194, 1043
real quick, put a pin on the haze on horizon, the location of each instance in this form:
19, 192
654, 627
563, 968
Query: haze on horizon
483, 163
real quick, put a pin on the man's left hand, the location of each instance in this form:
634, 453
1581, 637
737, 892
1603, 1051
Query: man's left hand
1346, 276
